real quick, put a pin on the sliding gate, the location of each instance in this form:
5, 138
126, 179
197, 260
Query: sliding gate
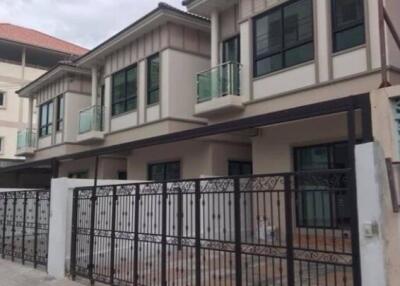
24, 226
285, 229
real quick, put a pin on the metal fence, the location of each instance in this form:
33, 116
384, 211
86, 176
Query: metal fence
284, 229
24, 225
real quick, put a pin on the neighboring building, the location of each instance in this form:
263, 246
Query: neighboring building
25, 54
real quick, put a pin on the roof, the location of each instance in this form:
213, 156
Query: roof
162, 7
35, 38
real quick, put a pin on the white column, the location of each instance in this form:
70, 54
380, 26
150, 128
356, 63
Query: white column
30, 113
214, 38
23, 62
94, 86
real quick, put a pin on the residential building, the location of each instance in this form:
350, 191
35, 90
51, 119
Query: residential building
25, 54
228, 89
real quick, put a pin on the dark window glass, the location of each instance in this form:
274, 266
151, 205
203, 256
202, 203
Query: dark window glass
314, 206
79, 175
348, 24
283, 37
153, 79
124, 95
1, 144
240, 168
60, 113
46, 119
231, 50
122, 175
164, 171
1, 98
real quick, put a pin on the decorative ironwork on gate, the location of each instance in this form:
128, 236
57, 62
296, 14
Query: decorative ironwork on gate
217, 231
24, 226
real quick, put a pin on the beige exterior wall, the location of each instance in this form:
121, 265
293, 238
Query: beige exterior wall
14, 113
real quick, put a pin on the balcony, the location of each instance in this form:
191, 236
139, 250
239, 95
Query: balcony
91, 121
218, 90
26, 142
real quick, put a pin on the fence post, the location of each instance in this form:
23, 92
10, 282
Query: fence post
238, 229
74, 233
13, 227
136, 238
198, 232
24, 228
4, 224
112, 254
36, 229
289, 229
91, 242
164, 236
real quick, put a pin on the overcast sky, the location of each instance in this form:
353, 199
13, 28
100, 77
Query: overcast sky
84, 22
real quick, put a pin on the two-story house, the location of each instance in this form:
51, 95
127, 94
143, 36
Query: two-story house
155, 78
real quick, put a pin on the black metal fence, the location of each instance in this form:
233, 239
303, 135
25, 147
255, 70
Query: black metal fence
24, 225
284, 229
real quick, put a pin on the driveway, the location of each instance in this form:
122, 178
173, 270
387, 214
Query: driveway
14, 274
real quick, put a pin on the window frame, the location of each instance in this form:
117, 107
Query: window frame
283, 49
60, 113
348, 27
148, 90
3, 95
241, 163
228, 40
164, 164
49, 124
125, 98
334, 220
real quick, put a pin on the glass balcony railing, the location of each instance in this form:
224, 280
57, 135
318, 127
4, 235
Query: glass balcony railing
26, 138
219, 81
91, 119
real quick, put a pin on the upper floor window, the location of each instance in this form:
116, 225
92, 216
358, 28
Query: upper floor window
283, 37
60, 113
2, 99
124, 93
347, 24
231, 50
164, 171
153, 79
46, 119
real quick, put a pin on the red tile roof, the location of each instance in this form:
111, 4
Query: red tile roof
35, 38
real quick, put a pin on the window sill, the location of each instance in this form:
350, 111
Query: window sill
123, 113
349, 50
255, 78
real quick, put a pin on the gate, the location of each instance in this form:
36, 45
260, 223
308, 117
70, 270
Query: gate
24, 221
282, 229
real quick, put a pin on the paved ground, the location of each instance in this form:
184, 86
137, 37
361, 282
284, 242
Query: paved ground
14, 274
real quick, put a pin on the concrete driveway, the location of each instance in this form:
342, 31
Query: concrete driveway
15, 274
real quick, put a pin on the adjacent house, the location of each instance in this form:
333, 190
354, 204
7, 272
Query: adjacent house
25, 54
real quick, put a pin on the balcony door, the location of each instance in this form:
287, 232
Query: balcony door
231, 50
229, 70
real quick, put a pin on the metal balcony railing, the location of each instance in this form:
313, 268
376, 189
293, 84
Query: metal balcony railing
219, 81
91, 119
26, 138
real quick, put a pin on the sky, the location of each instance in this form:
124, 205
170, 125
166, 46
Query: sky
83, 22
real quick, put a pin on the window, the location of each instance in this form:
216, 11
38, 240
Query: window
79, 175
283, 37
231, 50
124, 94
60, 113
347, 24
46, 119
1, 145
240, 168
164, 171
122, 175
2, 99
153, 79
321, 209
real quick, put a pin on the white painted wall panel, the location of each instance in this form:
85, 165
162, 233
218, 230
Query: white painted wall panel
350, 63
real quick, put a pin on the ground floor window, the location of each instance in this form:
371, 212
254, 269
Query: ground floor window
315, 205
122, 175
164, 171
240, 168
79, 175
